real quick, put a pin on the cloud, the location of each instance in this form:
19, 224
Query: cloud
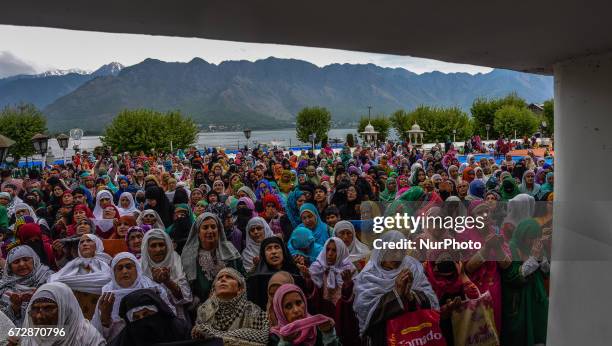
11, 65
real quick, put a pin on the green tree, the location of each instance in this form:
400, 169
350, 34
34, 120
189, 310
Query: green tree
549, 115
381, 124
144, 129
511, 118
401, 123
20, 123
438, 123
310, 120
483, 112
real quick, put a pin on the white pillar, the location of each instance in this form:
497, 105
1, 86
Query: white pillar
580, 310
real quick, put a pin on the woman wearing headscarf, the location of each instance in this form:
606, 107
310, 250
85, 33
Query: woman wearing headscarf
521, 207
295, 326
358, 251
484, 266
105, 226
246, 191
133, 239
525, 302
388, 194
312, 221
257, 230
451, 285
508, 188
54, 305
548, 186
162, 264
179, 230
150, 218
104, 198
528, 184
228, 315
23, 209
329, 289
157, 200
391, 284
207, 251
144, 312
126, 277
23, 274
127, 206
476, 190
303, 246
30, 234
274, 257
276, 280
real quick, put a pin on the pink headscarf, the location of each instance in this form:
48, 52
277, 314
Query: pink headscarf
249, 203
307, 326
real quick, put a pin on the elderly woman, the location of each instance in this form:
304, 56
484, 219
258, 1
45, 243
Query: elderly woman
163, 265
54, 305
391, 284
295, 326
87, 273
23, 274
126, 277
228, 315
358, 251
150, 218
206, 252
329, 288
133, 239
127, 206
144, 313
257, 230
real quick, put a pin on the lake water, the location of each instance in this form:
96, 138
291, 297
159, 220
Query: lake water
229, 140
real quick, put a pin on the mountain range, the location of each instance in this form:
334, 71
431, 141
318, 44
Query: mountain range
263, 94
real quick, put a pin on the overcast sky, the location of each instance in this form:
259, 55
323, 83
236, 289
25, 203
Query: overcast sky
33, 49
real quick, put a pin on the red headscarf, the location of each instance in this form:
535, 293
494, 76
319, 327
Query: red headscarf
30, 232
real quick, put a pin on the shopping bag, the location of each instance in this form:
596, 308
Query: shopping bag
416, 328
474, 323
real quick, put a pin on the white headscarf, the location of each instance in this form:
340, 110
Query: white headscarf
69, 318
172, 260
319, 267
251, 249
374, 281
141, 282
158, 221
131, 209
91, 282
357, 249
24, 206
98, 210
521, 207
39, 275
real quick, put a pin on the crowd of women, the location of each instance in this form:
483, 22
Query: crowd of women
275, 247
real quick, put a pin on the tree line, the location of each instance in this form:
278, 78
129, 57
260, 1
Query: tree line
503, 115
146, 129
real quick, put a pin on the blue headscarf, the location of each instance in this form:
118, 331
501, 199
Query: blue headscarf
320, 232
260, 191
477, 188
293, 212
303, 243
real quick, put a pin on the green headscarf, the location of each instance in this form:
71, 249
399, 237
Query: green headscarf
406, 203
528, 228
388, 195
508, 189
